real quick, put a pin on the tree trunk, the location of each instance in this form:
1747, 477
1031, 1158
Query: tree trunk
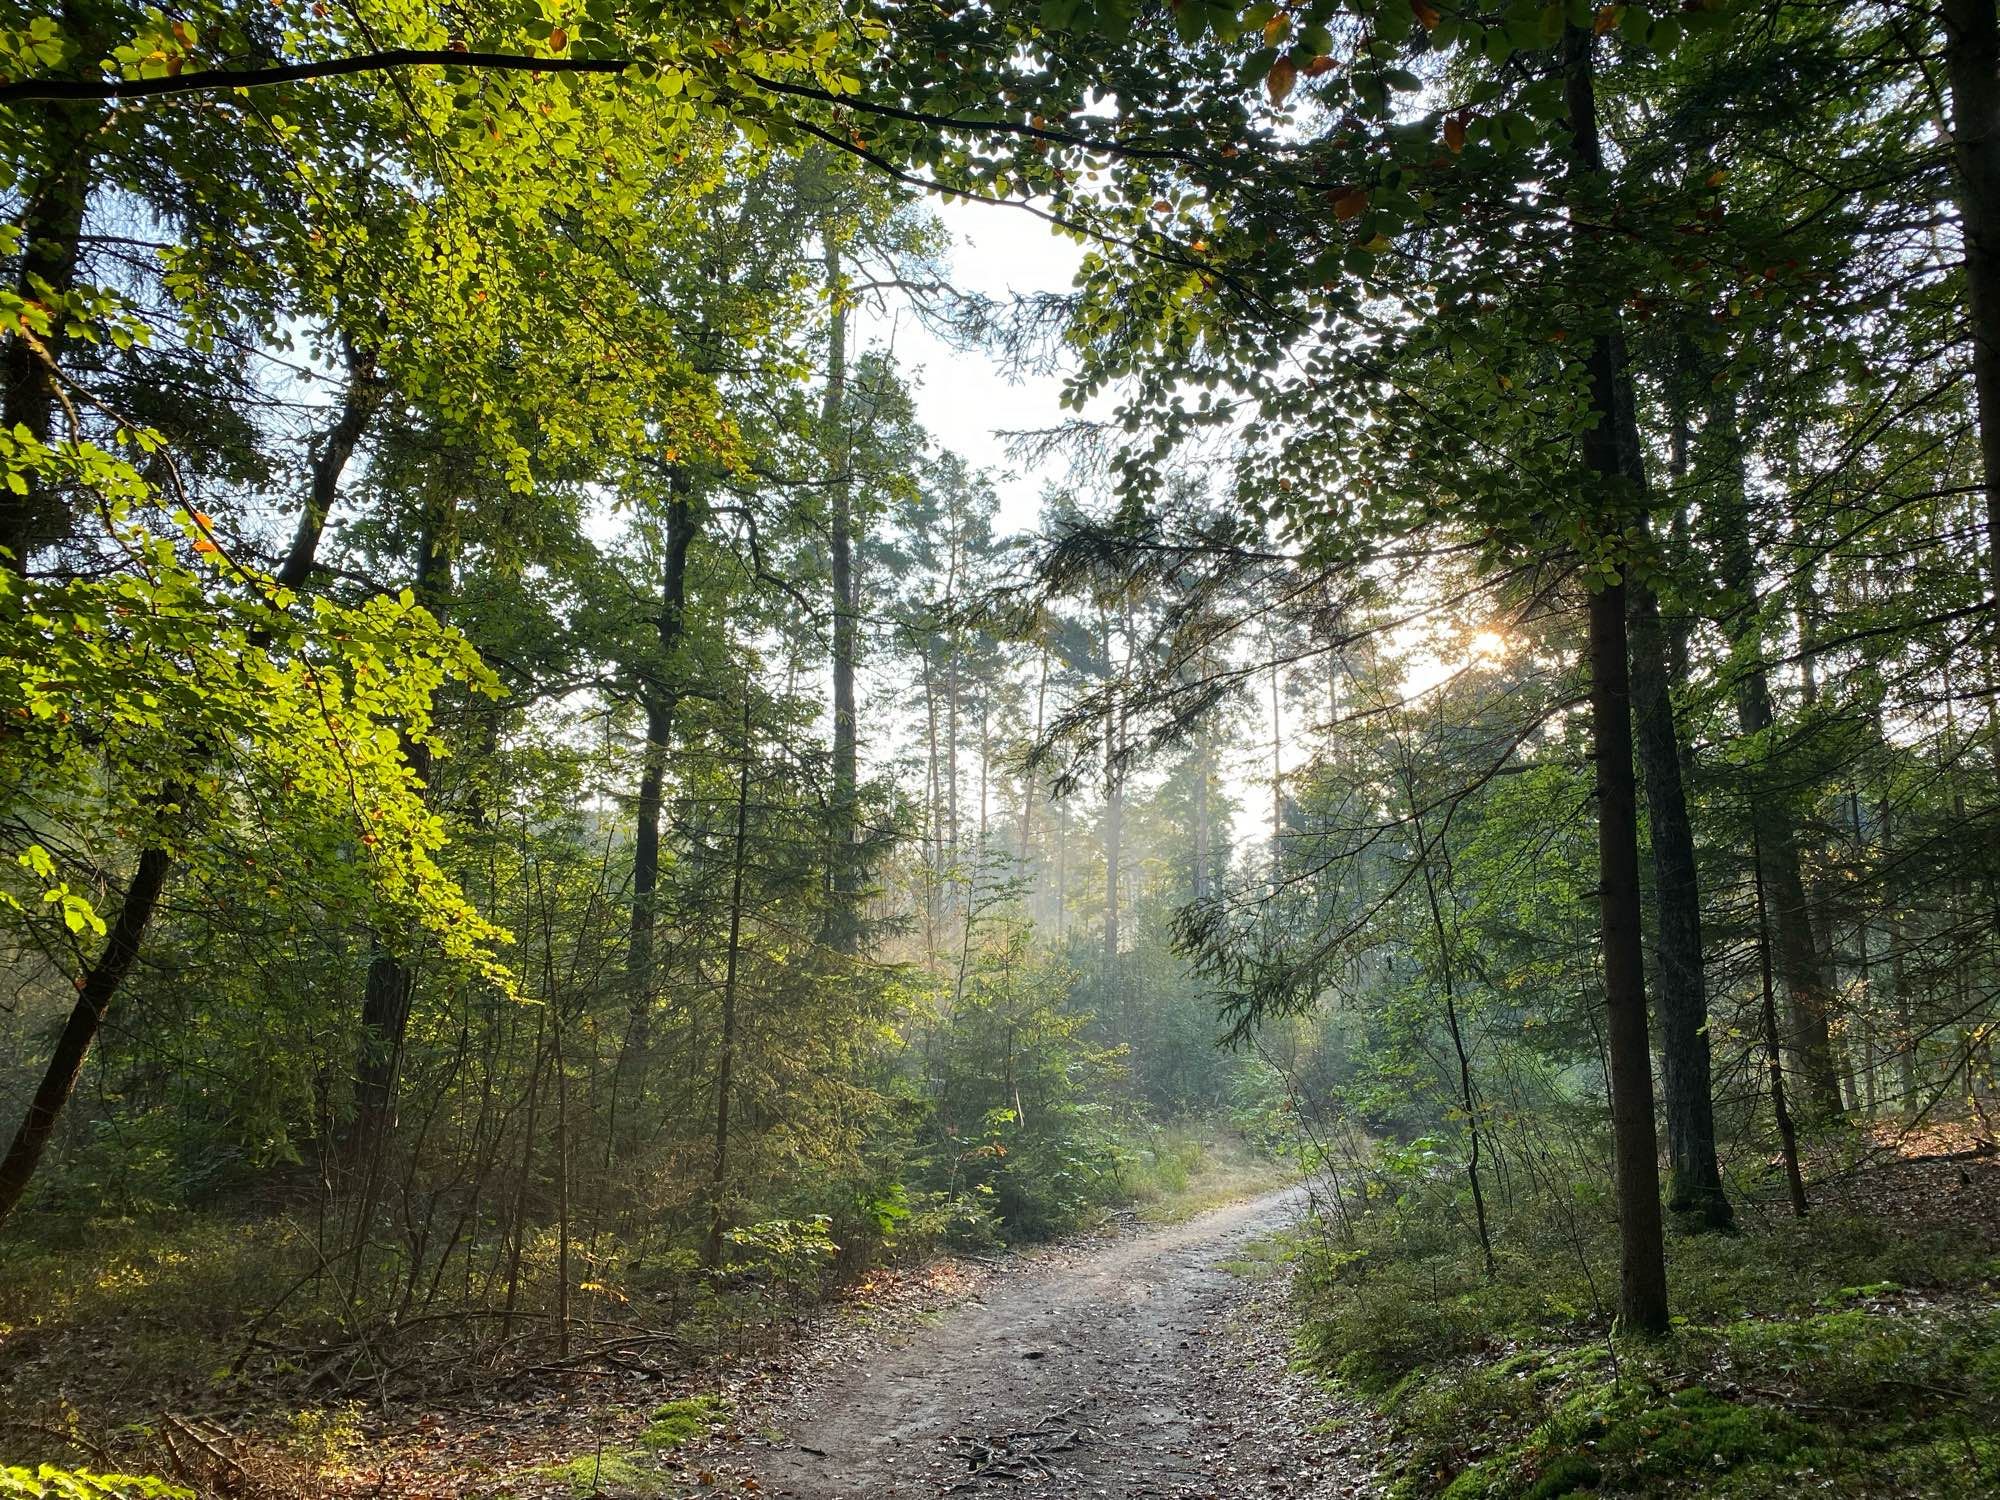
844, 929
661, 692
1635, 1141
93, 1000
1114, 811
51, 222
1694, 1181
358, 406
1788, 1141
1204, 752
1808, 992
1972, 64
726, 1061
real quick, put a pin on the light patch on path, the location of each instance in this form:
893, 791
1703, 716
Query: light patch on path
1140, 1368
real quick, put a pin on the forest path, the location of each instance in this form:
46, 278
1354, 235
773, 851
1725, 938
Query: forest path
1139, 1367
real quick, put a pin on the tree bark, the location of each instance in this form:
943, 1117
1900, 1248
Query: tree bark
93, 1001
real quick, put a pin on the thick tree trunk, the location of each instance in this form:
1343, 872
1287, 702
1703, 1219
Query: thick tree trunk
1809, 994
843, 927
51, 224
1972, 63
93, 1000
1635, 1141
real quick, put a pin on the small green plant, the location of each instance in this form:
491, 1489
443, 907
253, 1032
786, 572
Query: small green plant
50, 1483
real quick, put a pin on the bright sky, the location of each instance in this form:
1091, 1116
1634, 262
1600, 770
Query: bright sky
963, 397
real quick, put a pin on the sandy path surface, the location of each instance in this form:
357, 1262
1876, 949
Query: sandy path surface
1137, 1368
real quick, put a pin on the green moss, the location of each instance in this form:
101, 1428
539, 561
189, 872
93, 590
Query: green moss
679, 1423
1566, 1474
622, 1472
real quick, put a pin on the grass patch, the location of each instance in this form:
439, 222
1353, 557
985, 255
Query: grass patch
1179, 1171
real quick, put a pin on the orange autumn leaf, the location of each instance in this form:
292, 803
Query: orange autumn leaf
1350, 204
1454, 135
1427, 16
1278, 82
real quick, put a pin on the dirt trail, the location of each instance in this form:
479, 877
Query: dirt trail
1135, 1368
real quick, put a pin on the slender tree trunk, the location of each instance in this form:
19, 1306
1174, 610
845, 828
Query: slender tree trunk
1809, 994
93, 1001
726, 1061
51, 222
1694, 1181
1114, 808
844, 930
1635, 1141
933, 809
1788, 1141
1027, 856
517, 1216
363, 398
562, 1187
661, 693
1277, 777
1203, 753
1467, 1096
